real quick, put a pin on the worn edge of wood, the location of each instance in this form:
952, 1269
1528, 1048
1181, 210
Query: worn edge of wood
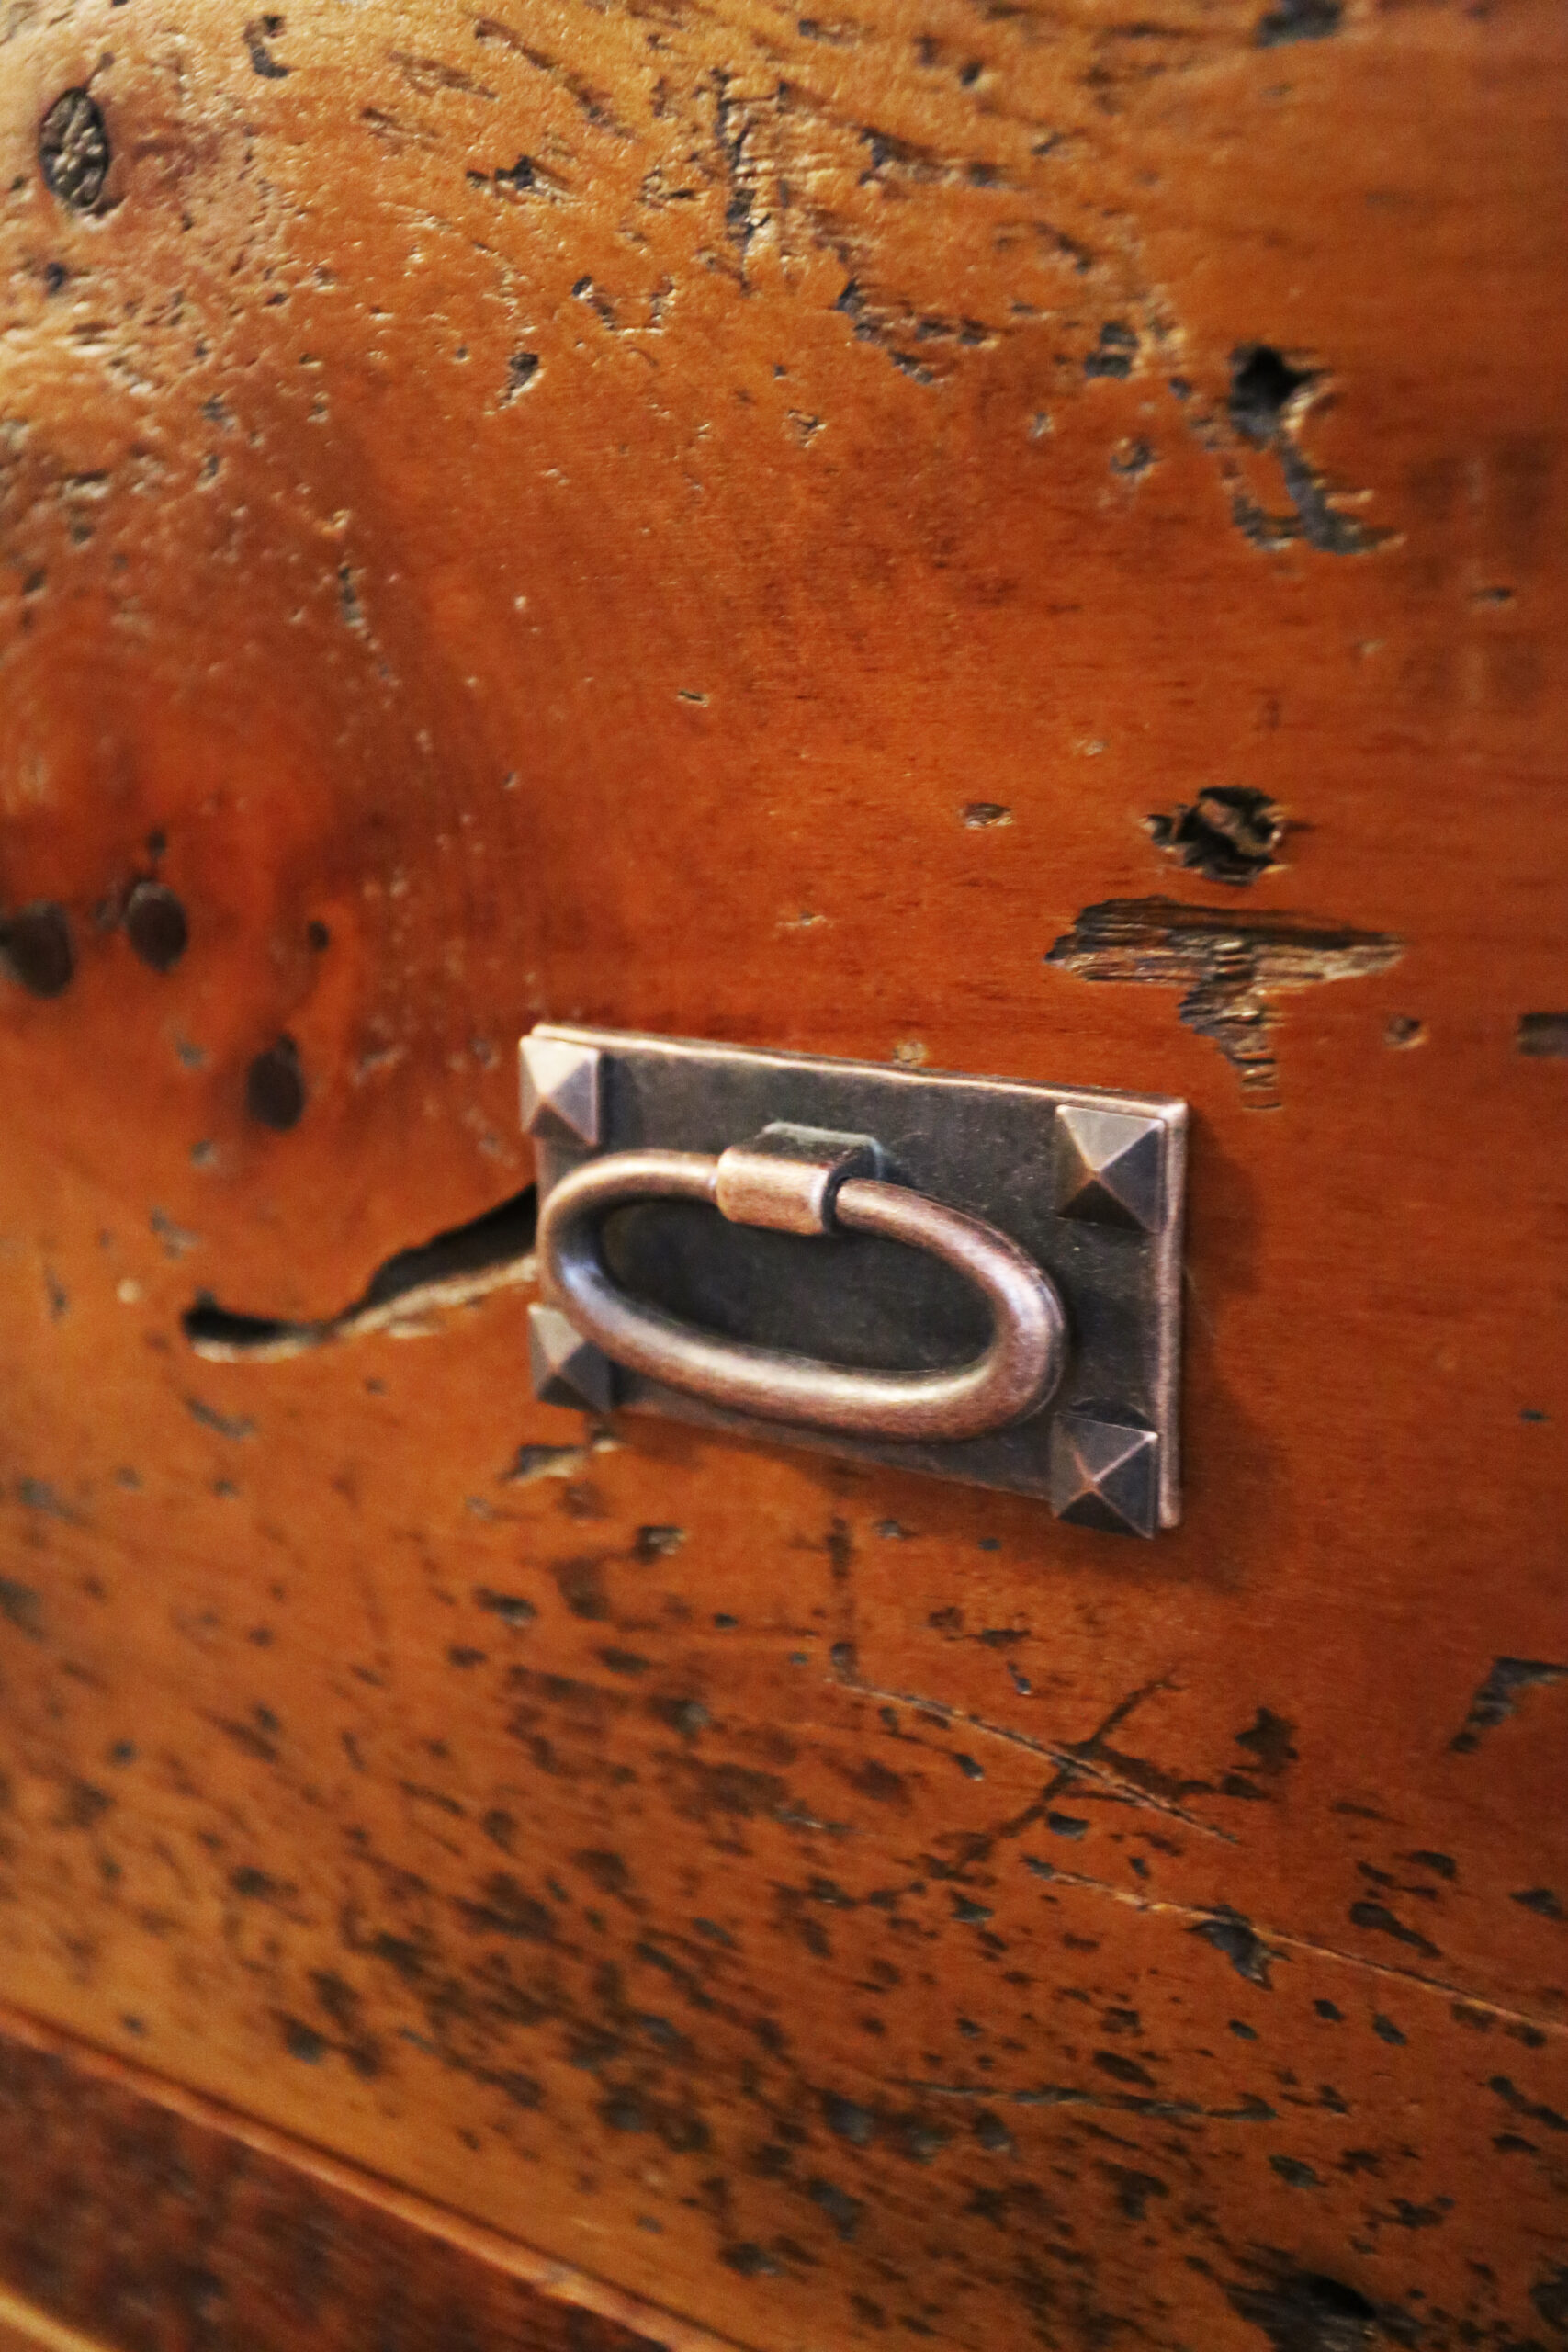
562, 2281
25, 2322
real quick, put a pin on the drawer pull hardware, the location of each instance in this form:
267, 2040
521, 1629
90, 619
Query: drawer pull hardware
1026, 1336
804, 1180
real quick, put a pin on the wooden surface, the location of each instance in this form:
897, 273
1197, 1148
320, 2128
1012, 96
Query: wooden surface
727, 523
25, 2328
140, 2216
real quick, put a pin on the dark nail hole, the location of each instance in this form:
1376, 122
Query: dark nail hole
1229, 834
155, 925
35, 949
274, 1087
74, 150
317, 936
1298, 20
1543, 1036
1263, 385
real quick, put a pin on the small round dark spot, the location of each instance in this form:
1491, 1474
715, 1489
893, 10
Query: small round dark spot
1298, 20
1265, 389
74, 150
318, 937
750, 2259
851, 2122
35, 949
1402, 1030
274, 1087
155, 925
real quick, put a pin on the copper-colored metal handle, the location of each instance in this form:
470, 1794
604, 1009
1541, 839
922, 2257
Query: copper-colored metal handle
1013, 1378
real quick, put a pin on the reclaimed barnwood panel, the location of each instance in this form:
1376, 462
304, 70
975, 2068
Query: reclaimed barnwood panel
1016, 535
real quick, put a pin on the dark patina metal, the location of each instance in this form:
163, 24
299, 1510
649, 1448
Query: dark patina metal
796, 1312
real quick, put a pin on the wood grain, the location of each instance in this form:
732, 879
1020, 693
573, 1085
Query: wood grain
730, 523
149, 2217
25, 2328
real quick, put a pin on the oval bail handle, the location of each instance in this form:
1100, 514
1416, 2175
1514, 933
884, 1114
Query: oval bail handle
811, 1183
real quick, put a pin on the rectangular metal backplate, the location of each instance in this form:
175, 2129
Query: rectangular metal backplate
1090, 1183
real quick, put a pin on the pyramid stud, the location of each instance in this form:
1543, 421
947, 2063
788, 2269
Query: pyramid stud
566, 1368
1108, 1167
1104, 1475
561, 1091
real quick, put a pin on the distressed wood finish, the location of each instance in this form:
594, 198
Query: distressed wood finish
139, 2217
730, 523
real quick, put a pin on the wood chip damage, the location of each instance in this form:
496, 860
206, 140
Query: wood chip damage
1231, 966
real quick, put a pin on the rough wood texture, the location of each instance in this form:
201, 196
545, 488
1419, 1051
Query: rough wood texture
133, 2218
730, 523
